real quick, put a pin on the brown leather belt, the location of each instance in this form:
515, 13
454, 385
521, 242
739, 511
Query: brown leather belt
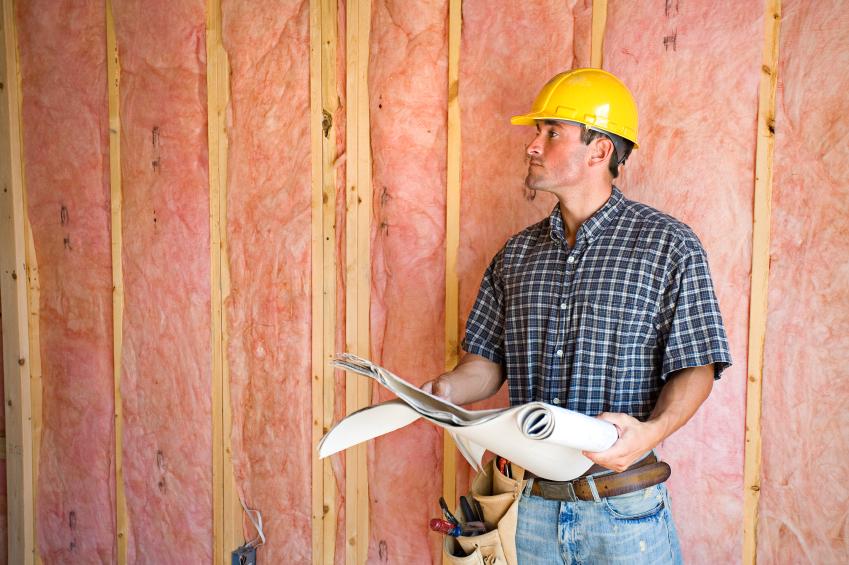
642, 474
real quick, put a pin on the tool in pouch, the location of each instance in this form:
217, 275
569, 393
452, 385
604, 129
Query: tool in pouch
494, 499
451, 526
246, 554
463, 529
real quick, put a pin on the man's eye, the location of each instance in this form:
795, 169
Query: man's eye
553, 133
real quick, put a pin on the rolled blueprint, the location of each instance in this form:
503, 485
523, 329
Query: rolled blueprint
565, 427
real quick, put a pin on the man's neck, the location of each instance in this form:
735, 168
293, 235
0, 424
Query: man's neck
577, 206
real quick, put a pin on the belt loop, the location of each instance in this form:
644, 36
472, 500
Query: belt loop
593, 489
529, 484
570, 492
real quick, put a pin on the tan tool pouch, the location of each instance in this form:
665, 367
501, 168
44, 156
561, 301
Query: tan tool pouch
498, 497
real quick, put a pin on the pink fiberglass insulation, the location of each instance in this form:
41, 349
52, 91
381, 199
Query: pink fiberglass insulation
694, 72
65, 140
804, 494
408, 95
268, 238
166, 376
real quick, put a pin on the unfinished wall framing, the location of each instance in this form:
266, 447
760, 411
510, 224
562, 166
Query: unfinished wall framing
223, 194
358, 205
752, 469
452, 232
227, 511
113, 83
14, 266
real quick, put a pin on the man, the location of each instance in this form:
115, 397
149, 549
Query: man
605, 307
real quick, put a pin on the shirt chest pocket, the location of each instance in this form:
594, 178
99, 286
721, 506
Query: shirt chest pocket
616, 322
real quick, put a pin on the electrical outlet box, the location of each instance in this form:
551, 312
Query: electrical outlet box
244, 555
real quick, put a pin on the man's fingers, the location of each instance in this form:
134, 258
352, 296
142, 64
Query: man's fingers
442, 389
616, 418
610, 459
438, 387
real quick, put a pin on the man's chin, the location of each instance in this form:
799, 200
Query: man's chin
532, 183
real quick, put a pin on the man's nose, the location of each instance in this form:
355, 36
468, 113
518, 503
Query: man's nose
534, 148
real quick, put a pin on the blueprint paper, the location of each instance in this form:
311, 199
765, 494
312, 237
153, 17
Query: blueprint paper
427, 404
546, 440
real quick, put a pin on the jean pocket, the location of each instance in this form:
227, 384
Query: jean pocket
635, 505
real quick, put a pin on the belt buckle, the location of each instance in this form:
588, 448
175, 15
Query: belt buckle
558, 491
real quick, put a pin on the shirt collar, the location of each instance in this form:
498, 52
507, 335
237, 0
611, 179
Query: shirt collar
595, 225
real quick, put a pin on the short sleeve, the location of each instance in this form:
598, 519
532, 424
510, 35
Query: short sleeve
696, 334
485, 325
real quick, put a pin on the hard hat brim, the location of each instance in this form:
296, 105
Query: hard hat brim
532, 118
525, 120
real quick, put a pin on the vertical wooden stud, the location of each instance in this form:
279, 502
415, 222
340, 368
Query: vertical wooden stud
358, 265
760, 276
317, 371
34, 297
227, 512
452, 232
323, 106
13, 290
329, 103
352, 455
597, 41
113, 84
364, 214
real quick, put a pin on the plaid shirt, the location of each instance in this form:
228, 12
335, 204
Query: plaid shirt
599, 326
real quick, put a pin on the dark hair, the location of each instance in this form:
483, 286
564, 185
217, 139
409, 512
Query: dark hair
587, 137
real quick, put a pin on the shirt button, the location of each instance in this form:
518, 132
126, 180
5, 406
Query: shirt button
555, 401
559, 353
564, 306
571, 259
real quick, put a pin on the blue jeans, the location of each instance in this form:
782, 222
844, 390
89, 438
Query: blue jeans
629, 529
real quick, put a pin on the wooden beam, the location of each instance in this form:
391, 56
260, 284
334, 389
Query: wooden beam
760, 277
597, 40
352, 455
323, 105
317, 314
113, 85
364, 216
358, 265
34, 297
13, 293
452, 234
228, 533
329, 104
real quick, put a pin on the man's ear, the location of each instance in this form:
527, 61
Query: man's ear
601, 149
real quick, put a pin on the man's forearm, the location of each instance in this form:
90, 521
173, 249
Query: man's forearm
475, 378
679, 399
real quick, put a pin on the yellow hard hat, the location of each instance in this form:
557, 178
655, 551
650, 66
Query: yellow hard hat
591, 97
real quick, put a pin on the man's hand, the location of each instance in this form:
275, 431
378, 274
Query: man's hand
679, 399
474, 378
635, 440
439, 387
